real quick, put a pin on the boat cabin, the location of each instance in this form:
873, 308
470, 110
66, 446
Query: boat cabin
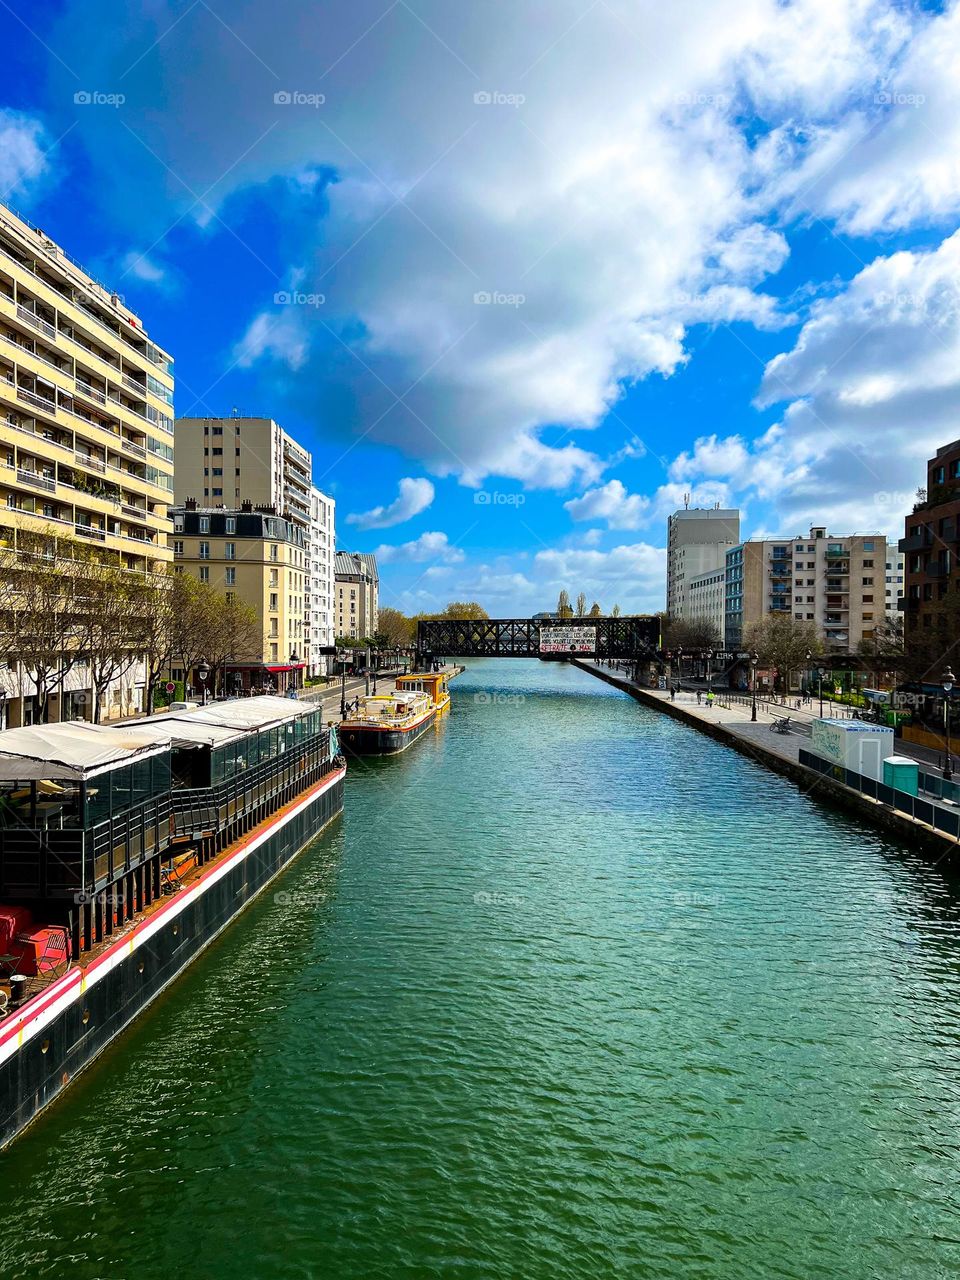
433, 683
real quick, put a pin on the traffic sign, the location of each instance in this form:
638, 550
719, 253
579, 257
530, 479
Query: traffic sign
171, 687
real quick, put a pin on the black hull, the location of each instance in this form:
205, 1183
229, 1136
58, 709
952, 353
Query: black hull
380, 742
77, 1026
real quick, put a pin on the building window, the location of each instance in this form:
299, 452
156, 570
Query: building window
204, 573
868, 582
218, 493
204, 524
230, 596
230, 577
868, 546
178, 548
178, 524
868, 564
229, 551
218, 431
218, 471
273, 600
204, 551
231, 524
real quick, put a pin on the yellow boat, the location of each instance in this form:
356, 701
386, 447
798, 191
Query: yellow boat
386, 723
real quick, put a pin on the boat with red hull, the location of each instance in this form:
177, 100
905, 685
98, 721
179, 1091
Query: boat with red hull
147, 841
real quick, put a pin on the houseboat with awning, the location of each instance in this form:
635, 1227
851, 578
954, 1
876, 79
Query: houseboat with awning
124, 851
386, 723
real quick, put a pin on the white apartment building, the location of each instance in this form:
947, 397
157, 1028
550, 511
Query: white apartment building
706, 600
895, 574
321, 600
697, 541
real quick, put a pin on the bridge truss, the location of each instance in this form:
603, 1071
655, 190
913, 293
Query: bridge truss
635, 638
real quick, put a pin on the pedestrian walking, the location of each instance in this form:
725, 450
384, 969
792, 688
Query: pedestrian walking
710, 699
673, 693
699, 696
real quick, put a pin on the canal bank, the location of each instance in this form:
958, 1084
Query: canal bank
566, 994
731, 725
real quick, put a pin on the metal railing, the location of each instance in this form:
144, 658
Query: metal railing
34, 478
44, 326
929, 812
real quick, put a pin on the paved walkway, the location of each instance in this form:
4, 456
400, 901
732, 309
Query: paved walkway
732, 710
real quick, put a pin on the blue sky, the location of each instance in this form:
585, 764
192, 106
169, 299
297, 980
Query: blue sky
522, 275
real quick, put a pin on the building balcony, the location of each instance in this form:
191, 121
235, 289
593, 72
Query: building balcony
35, 479
91, 463
90, 531
915, 542
37, 402
934, 569
36, 322
91, 393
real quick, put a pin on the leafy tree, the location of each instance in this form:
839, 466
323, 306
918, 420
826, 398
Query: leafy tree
396, 628
783, 642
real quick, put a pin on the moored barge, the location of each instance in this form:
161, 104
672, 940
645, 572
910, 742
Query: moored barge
124, 851
387, 723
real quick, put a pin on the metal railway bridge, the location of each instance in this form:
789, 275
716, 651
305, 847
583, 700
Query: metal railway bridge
633, 638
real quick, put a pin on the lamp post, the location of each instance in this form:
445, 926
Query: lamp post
398, 657
820, 674
754, 660
203, 671
709, 670
343, 684
679, 668
946, 682
294, 658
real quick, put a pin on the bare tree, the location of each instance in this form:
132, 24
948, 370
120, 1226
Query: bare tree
234, 636
46, 618
581, 605
615, 611
784, 642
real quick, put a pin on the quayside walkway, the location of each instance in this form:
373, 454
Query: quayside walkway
729, 721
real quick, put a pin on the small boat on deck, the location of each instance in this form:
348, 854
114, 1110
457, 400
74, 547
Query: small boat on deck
387, 723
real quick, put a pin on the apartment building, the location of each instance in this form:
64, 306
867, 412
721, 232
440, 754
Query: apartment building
930, 544
255, 460
697, 542
895, 578
357, 595
262, 557
319, 621
837, 583
706, 600
86, 434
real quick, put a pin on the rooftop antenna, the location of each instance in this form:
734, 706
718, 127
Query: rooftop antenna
686, 502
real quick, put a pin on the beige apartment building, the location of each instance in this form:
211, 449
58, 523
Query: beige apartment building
837, 583
222, 462
86, 430
357, 595
262, 558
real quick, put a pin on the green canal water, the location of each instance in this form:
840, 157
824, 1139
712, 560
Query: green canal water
569, 991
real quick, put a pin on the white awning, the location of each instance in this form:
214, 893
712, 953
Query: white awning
75, 749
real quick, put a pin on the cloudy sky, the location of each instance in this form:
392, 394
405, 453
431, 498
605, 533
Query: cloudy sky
524, 274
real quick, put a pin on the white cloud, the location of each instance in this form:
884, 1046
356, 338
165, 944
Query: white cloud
415, 496
144, 268
429, 546
610, 502
631, 575
599, 222
23, 153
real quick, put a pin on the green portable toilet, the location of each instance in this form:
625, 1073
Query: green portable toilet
901, 773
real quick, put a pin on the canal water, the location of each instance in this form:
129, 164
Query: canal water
570, 991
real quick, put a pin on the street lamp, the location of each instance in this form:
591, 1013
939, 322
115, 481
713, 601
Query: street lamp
946, 682
820, 674
203, 671
294, 658
343, 684
679, 667
709, 669
754, 660
398, 657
